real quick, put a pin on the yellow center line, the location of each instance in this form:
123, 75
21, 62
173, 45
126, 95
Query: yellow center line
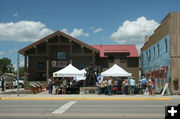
66, 98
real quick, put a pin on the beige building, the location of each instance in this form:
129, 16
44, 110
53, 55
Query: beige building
160, 55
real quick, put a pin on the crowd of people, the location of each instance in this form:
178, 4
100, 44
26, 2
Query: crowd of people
60, 85
127, 86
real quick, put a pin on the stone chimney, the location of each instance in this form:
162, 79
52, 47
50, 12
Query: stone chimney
146, 38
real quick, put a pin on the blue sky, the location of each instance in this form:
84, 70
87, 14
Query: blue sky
91, 21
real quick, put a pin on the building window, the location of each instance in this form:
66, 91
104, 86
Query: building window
41, 65
122, 59
166, 44
61, 55
142, 58
154, 51
146, 55
149, 54
158, 50
111, 59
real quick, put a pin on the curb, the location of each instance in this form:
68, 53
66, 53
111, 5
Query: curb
38, 98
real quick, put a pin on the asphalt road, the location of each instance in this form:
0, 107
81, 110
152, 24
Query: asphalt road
84, 109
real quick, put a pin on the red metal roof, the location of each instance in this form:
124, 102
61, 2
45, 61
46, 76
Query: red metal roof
131, 49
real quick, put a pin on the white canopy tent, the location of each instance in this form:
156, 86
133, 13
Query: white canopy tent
69, 71
116, 71
82, 77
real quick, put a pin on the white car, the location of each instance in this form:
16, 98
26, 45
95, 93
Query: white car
15, 83
12, 82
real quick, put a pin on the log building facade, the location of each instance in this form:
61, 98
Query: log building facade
58, 49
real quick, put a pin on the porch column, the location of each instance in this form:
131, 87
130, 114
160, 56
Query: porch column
47, 70
93, 57
70, 52
25, 71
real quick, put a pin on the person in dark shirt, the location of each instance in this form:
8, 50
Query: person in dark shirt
2, 83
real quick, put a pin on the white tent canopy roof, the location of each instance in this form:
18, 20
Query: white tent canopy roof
69, 71
116, 71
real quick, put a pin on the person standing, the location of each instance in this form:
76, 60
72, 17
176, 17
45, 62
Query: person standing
110, 85
144, 85
132, 85
106, 88
99, 86
149, 85
126, 85
152, 86
50, 84
64, 83
2, 83
119, 86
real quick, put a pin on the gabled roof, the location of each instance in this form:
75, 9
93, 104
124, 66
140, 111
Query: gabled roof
55, 34
130, 49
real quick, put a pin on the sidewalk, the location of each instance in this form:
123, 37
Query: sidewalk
45, 96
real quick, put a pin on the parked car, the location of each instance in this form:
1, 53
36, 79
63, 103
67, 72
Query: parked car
12, 82
15, 83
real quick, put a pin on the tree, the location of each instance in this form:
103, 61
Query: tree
21, 71
6, 66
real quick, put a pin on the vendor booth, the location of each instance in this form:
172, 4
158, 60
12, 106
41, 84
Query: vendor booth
67, 79
116, 71
69, 71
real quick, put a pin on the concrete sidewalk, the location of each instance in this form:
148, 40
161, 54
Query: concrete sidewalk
45, 96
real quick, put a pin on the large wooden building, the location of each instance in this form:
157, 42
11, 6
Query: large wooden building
160, 55
58, 49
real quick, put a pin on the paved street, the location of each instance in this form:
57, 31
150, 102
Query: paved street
84, 109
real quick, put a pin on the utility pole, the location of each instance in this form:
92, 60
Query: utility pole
17, 73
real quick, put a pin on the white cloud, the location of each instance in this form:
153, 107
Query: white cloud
92, 27
11, 51
15, 14
23, 31
98, 30
2, 53
76, 32
133, 32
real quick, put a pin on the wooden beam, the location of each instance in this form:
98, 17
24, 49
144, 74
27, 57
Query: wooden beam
80, 54
47, 52
59, 43
41, 54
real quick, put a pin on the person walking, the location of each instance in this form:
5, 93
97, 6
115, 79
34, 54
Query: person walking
132, 85
50, 84
2, 83
110, 85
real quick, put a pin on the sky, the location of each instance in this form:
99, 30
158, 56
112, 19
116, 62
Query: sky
92, 21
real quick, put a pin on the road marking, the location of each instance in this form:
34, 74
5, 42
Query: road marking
64, 108
66, 98
85, 115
